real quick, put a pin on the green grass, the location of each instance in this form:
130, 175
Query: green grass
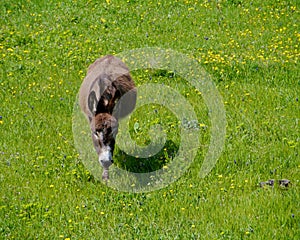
250, 48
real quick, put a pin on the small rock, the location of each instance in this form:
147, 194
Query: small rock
270, 182
284, 182
262, 184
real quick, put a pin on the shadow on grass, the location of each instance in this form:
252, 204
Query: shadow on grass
144, 165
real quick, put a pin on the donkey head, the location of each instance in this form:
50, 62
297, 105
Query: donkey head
104, 129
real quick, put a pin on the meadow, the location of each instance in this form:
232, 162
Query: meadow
251, 51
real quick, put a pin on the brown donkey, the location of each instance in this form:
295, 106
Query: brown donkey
107, 94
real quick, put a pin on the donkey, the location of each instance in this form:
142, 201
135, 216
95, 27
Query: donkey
106, 94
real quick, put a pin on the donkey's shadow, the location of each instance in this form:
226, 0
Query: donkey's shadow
142, 165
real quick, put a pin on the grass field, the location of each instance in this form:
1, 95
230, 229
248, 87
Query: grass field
251, 50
